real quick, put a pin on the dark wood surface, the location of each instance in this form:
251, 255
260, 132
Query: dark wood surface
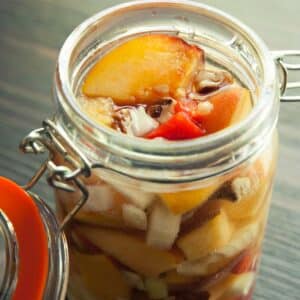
31, 33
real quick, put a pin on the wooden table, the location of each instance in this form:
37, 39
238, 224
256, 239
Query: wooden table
31, 33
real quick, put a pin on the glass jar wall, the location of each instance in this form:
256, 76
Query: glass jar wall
169, 220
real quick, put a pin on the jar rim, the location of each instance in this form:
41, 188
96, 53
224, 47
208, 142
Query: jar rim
135, 148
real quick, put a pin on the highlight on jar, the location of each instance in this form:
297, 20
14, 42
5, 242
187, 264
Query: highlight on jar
201, 241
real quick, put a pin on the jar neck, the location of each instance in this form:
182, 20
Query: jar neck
157, 161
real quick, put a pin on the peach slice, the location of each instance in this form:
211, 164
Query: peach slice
208, 238
103, 207
101, 277
156, 288
230, 106
182, 202
215, 260
174, 279
249, 205
144, 69
131, 251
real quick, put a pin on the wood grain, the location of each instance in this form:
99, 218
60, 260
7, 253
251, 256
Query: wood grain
31, 33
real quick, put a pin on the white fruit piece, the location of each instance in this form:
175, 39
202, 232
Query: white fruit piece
136, 197
202, 267
134, 280
241, 187
141, 123
232, 287
163, 227
241, 285
156, 288
134, 217
101, 198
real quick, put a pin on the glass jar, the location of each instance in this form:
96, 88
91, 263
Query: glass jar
34, 259
163, 220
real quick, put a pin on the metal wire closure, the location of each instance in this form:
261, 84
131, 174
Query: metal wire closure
280, 57
50, 138
10, 270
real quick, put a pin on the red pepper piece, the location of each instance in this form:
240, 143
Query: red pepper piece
191, 108
179, 127
245, 265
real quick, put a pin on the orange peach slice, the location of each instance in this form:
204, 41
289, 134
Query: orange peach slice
101, 277
182, 202
249, 205
230, 106
208, 238
174, 279
131, 250
144, 69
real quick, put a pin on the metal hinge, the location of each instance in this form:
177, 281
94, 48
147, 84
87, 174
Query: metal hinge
51, 138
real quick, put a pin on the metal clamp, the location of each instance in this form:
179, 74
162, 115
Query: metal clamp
280, 57
51, 138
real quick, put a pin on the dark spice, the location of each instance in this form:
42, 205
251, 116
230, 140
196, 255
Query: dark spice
190, 295
225, 192
167, 102
119, 118
208, 89
154, 110
202, 215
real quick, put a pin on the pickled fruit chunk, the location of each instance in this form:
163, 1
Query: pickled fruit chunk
244, 195
144, 69
232, 287
246, 264
134, 217
103, 207
131, 251
99, 110
101, 219
156, 288
232, 251
182, 202
241, 239
208, 238
247, 208
174, 279
134, 280
101, 277
208, 265
135, 196
230, 106
179, 127
163, 227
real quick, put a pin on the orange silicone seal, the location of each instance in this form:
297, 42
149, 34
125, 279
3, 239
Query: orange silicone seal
23, 213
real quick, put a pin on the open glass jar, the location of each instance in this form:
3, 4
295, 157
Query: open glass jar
163, 220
